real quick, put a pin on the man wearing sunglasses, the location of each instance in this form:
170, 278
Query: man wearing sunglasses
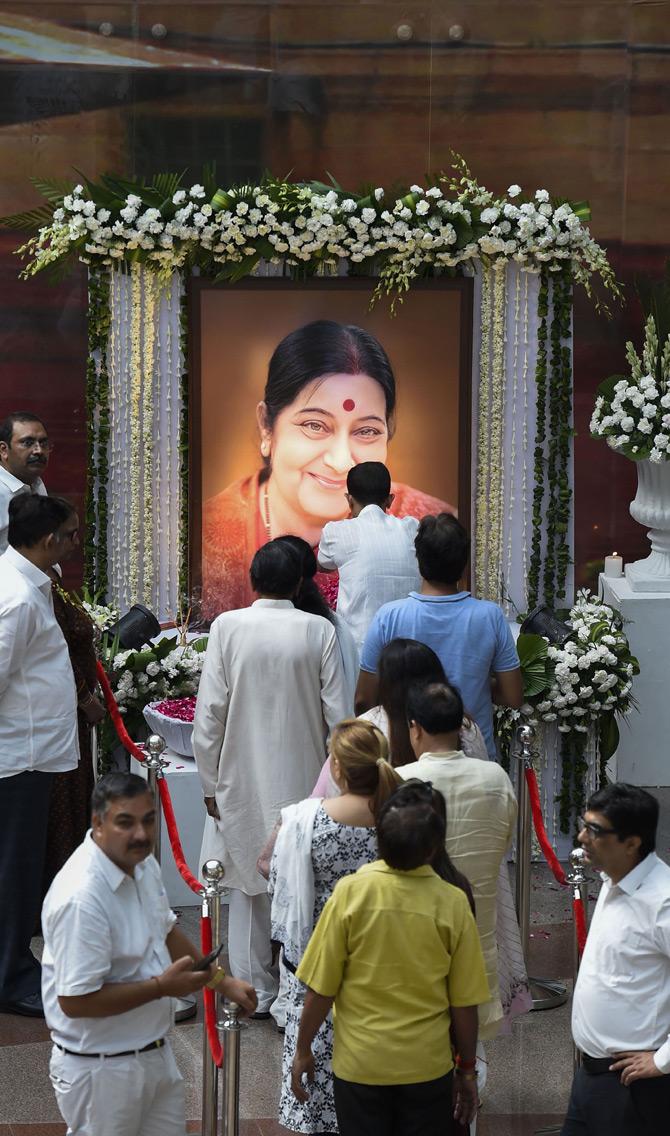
24, 455
621, 1003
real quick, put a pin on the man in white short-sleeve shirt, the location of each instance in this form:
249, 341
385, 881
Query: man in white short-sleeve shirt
38, 729
113, 959
621, 1003
24, 455
372, 551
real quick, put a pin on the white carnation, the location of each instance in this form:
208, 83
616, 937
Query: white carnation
514, 190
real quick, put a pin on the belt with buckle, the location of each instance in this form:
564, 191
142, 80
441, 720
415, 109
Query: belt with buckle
124, 1053
596, 1065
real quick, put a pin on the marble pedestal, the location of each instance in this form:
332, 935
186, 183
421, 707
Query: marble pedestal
643, 756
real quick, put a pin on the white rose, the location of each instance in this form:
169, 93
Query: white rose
197, 191
369, 216
628, 424
649, 410
489, 216
541, 195
514, 190
644, 426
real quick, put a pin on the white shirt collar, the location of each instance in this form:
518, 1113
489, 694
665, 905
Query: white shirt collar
444, 755
272, 603
27, 569
368, 509
113, 875
637, 875
14, 484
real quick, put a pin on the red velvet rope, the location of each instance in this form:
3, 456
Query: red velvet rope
115, 714
540, 831
209, 997
166, 800
580, 923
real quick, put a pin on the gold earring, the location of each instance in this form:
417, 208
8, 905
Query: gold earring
265, 448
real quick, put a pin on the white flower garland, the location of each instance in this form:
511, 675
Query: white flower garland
480, 566
135, 377
149, 298
498, 391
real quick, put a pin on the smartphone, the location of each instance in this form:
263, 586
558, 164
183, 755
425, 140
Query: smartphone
203, 963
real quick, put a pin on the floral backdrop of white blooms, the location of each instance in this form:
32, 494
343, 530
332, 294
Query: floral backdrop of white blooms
575, 693
142, 240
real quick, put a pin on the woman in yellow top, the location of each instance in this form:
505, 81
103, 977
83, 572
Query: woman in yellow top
329, 404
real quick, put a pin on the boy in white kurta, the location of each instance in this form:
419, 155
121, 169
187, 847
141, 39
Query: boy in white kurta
481, 814
272, 688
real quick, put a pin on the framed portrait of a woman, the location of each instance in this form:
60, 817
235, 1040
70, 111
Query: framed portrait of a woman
292, 384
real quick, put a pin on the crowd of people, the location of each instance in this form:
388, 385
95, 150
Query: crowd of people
365, 855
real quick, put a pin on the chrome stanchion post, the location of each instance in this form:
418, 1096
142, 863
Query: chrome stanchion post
526, 736
579, 882
230, 1031
154, 749
213, 874
94, 753
155, 763
552, 993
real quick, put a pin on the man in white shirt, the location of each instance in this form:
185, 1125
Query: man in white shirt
38, 728
271, 690
481, 815
372, 551
114, 958
24, 455
621, 1003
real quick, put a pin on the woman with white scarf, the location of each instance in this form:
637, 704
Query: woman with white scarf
319, 842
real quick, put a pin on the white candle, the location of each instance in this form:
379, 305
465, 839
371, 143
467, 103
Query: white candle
614, 565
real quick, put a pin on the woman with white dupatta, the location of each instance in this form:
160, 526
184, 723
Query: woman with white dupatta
319, 842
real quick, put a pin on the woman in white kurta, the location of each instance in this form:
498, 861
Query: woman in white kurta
272, 688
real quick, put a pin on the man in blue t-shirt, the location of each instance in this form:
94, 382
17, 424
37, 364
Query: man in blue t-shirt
471, 637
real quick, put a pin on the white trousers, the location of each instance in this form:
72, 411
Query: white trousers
141, 1095
249, 950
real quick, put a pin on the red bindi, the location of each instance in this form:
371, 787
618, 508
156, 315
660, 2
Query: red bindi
348, 404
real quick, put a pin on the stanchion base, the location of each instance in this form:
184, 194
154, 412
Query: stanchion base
185, 1008
552, 993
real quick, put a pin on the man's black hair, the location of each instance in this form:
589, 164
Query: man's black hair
630, 810
276, 569
435, 706
369, 483
116, 787
409, 830
442, 549
32, 517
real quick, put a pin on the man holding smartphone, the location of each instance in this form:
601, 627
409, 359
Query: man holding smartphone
113, 960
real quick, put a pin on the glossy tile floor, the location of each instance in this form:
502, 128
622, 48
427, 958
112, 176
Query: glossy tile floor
529, 1071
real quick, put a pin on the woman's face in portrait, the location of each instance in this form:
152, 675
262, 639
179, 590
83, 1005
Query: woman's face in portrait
335, 423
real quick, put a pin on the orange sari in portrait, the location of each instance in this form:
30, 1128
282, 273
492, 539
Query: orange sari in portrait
232, 531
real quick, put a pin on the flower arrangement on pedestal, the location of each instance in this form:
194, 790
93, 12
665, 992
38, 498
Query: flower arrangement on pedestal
584, 684
633, 413
161, 670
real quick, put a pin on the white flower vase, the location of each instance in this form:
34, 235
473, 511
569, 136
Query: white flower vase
651, 507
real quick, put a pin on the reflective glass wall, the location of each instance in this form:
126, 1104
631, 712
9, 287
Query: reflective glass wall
573, 97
